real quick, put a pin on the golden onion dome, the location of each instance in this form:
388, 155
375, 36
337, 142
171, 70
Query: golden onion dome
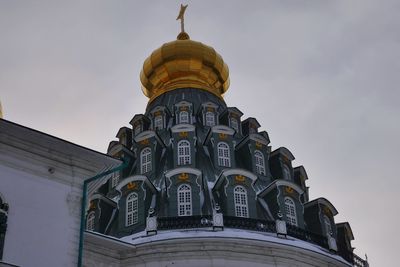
184, 63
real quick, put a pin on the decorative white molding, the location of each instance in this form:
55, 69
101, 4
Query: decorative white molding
176, 171
183, 128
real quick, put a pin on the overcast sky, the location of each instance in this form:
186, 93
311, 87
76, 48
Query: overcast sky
321, 77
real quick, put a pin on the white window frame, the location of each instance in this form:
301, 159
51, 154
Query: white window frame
114, 180
184, 117
132, 209
138, 129
286, 172
290, 211
158, 122
327, 225
183, 151
240, 200
209, 118
145, 160
90, 221
184, 200
260, 162
224, 154
234, 124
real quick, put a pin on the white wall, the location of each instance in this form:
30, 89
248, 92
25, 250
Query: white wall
43, 230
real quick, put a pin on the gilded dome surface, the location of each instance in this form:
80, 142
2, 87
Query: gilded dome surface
184, 63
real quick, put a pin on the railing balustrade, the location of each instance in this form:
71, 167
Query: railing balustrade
199, 221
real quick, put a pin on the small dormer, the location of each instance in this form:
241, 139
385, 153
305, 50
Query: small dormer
111, 147
300, 177
124, 136
344, 238
281, 164
231, 117
183, 113
140, 123
159, 117
249, 126
209, 114
319, 215
252, 153
219, 141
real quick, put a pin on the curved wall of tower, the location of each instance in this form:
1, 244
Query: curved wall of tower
203, 187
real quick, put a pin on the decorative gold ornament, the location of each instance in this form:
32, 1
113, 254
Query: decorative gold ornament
259, 145
183, 108
183, 134
145, 142
157, 113
132, 186
327, 211
183, 177
222, 136
210, 109
289, 190
92, 205
240, 178
184, 64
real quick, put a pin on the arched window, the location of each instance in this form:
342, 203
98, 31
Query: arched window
240, 198
184, 152
234, 124
224, 158
145, 160
90, 221
290, 210
210, 118
184, 117
158, 122
184, 200
328, 226
138, 129
131, 209
286, 172
260, 162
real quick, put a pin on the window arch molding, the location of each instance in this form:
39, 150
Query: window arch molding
259, 162
183, 149
132, 209
184, 200
145, 160
224, 155
290, 211
240, 201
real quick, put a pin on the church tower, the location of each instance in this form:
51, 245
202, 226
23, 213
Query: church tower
202, 186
